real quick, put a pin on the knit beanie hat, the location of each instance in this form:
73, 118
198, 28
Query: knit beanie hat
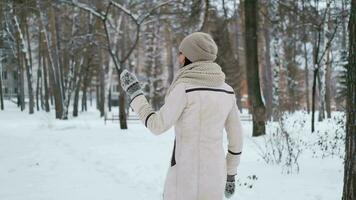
199, 46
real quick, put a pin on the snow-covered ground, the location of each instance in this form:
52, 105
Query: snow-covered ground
83, 159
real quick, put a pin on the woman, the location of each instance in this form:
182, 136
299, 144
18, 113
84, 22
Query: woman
200, 105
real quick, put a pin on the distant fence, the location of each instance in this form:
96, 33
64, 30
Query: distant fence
115, 117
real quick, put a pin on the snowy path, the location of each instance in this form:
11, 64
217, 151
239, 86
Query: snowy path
43, 158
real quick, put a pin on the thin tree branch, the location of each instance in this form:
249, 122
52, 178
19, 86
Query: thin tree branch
84, 7
138, 20
125, 10
153, 9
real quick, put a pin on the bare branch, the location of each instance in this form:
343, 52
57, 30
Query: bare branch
138, 20
125, 10
153, 9
84, 7
328, 44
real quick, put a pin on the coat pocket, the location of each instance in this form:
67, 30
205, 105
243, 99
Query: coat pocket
173, 158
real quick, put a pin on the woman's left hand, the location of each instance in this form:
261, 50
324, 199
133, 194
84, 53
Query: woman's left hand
230, 186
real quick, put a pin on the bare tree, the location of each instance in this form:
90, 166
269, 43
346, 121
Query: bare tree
52, 54
1, 95
254, 90
44, 73
24, 52
349, 191
117, 61
1, 55
28, 59
319, 52
305, 55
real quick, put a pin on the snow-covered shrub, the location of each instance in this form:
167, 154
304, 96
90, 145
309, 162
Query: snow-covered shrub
283, 142
286, 139
329, 137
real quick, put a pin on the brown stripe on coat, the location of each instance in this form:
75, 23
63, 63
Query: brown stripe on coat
209, 89
148, 116
233, 153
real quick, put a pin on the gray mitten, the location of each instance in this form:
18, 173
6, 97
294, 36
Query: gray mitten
130, 84
230, 186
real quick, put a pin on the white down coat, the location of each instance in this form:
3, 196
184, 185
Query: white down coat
199, 164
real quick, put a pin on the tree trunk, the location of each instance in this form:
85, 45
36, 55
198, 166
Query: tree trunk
268, 71
79, 79
84, 100
50, 51
20, 49
45, 83
28, 61
328, 75
254, 92
41, 93
313, 99
122, 93
54, 65
87, 80
328, 85
306, 76
102, 89
1, 95
91, 97
170, 62
1, 44
21, 83
59, 54
38, 89
316, 63
50, 93
76, 93
108, 85
306, 68
349, 190
321, 86
97, 97
74, 64
122, 112
109, 100
39, 73
24, 52
343, 26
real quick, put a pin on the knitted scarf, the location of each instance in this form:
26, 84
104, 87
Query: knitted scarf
201, 73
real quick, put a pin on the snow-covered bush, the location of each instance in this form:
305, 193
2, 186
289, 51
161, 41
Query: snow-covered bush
282, 143
328, 139
291, 136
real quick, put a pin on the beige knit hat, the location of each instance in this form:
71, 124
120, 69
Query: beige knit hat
199, 46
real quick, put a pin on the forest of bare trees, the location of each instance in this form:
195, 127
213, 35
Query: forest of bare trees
65, 53
64, 56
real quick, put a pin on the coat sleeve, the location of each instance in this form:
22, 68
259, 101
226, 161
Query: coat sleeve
163, 119
234, 131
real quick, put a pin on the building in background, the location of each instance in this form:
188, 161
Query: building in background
9, 77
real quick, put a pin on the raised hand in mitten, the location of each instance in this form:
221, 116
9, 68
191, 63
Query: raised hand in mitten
130, 84
230, 186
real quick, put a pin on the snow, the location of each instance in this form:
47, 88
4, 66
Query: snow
81, 158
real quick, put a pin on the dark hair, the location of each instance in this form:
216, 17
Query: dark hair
186, 61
